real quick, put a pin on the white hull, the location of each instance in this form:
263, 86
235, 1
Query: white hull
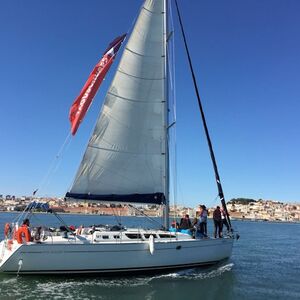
63, 256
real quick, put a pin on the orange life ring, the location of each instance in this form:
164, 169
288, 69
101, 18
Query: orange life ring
23, 232
7, 229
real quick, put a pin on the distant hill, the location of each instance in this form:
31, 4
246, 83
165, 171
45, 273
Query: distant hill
241, 201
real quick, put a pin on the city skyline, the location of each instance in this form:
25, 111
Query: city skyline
246, 59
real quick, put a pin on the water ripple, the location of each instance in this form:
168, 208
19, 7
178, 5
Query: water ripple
85, 288
196, 273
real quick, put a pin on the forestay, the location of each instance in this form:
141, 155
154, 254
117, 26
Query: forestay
125, 157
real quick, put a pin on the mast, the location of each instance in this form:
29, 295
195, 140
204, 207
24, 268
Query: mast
212, 155
166, 113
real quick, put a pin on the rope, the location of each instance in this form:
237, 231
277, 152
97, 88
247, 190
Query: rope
25, 212
141, 213
53, 165
116, 217
62, 221
50, 172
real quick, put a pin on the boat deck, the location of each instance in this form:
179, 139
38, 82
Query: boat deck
91, 235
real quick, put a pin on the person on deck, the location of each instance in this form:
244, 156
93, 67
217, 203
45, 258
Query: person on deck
26, 224
24, 232
37, 235
194, 228
185, 222
217, 216
203, 220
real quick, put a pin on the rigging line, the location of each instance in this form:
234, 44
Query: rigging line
24, 212
133, 23
212, 155
174, 108
215, 200
53, 164
39, 221
116, 217
143, 214
62, 221
57, 165
171, 55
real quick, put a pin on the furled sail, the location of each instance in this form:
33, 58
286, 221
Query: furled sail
125, 160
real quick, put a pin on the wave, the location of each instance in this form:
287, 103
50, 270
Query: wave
196, 273
81, 287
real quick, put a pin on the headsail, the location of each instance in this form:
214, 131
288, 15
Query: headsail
89, 90
125, 157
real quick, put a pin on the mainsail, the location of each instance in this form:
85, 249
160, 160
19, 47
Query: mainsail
125, 159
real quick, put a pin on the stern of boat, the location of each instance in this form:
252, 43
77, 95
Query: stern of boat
7, 249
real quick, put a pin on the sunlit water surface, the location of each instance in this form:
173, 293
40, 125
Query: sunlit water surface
265, 264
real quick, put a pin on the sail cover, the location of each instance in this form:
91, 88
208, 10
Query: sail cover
125, 160
89, 90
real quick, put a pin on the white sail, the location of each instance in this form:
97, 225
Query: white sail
127, 151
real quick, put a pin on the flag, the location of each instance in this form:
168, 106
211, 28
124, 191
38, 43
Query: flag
89, 90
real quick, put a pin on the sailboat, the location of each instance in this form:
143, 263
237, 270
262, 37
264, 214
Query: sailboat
126, 161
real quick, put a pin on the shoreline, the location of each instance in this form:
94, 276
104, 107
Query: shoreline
178, 217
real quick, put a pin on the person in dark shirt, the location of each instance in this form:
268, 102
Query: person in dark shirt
185, 222
217, 216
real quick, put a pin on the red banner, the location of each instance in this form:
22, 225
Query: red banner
88, 92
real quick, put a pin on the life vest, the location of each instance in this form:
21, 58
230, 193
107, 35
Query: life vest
23, 232
7, 230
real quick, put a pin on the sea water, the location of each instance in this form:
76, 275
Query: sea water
265, 264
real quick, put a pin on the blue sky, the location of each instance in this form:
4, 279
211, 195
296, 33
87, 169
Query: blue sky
247, 62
